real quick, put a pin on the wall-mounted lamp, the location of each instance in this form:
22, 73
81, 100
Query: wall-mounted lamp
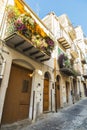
31, 75
39, 72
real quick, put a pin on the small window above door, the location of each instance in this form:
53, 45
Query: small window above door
25, 86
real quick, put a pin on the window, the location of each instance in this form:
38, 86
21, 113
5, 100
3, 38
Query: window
25, 86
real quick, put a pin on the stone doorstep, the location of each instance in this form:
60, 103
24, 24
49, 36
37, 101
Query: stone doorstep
15, 125
45, 115
23, 123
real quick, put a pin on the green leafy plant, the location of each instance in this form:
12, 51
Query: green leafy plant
12, 15
64, 61
26, 25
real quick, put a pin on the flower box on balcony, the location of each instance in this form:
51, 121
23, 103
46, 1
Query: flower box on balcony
26, 47
25, 28
66, 67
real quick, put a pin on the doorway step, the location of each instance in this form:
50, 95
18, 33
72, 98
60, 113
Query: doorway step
16, 125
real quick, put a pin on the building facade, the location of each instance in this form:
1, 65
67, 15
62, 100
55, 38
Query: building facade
69, 66
39, 70
27, 82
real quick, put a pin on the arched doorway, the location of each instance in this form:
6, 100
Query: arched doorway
17, 101
57, 93
67, 92
85, 89
46, 92
75, 89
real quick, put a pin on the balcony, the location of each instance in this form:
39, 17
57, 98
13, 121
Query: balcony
64, 39
72, 34
25, 35
26, 47
67, 71
66, 67
85, 73
74, 51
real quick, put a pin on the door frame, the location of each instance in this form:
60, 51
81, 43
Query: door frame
15, 64
47, 77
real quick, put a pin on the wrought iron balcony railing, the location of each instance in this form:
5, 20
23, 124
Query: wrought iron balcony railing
66, 67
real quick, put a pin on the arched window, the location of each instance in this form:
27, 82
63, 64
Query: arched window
47, 75
58, 78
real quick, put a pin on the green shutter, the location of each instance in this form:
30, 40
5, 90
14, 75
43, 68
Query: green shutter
59, 51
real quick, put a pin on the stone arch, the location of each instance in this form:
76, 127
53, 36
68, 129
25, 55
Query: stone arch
47, 75
19, 88
23, 63
58, 78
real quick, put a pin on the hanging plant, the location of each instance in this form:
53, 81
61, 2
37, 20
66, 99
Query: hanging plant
60, 60
50, 44
63, 61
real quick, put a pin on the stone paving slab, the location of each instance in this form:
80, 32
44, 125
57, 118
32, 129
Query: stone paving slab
71, 118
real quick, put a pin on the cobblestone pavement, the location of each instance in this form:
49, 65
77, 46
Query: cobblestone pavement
70, 118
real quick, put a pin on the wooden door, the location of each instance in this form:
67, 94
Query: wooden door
57, 95
46, 95
75, 89
17, 101
85, 89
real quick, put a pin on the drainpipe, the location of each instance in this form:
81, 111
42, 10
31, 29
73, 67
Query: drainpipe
2, 69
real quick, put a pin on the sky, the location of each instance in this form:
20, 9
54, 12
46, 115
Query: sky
76, 10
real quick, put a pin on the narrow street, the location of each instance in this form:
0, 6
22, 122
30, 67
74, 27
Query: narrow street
71, 118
